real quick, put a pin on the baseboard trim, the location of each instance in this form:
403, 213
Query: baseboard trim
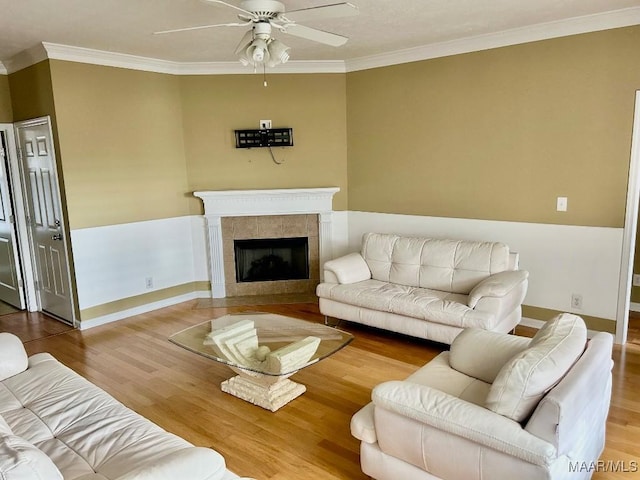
634, 307
531, 322
149, 307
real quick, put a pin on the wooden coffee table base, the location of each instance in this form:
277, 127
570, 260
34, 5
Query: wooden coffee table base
266, 391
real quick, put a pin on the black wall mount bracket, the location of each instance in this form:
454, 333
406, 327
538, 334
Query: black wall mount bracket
272, 137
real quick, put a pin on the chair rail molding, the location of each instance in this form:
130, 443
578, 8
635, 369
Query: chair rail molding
238, 203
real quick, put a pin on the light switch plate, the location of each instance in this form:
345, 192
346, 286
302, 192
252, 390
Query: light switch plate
265, 124
561, 204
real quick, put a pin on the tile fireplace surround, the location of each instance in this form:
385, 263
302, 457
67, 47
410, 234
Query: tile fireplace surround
287, 212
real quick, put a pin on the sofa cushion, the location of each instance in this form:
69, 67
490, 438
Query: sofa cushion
422, 303
5, 429
20, 460
454, 266
470, 355
13, 358
524, 379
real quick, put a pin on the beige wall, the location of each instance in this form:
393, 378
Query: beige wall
133, 145
499, 134
121, 144
313, 105
6, 112
31, 92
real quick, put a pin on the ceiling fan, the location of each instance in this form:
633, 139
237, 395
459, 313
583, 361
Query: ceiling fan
258, 46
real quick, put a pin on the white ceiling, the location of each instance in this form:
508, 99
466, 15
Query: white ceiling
126, 26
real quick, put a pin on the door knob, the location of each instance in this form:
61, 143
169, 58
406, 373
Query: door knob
58, 236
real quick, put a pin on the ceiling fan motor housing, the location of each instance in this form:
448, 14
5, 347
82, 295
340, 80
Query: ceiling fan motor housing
263, 9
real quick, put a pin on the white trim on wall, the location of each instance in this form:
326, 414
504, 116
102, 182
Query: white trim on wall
571, 26
113, 262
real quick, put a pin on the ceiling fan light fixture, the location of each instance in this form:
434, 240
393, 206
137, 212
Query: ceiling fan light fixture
258, 51
278, 51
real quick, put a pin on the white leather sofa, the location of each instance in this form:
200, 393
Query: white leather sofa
424, 287
495, 406
54, 424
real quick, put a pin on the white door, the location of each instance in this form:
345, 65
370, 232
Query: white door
44, 217
11, 290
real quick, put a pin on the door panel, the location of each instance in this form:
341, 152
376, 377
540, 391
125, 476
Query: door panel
45, 218
11, 290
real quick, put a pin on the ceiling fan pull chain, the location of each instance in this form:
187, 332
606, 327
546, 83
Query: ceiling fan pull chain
264, 74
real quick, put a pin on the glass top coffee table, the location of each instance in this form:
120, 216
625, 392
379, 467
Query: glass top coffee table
264, 349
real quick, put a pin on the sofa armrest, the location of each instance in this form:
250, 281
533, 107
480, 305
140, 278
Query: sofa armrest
194, 463
13, 357
351, 268
467, 420
497, 285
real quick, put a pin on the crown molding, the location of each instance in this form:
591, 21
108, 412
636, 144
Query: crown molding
26, 58
572, 26
542, 31
133, 62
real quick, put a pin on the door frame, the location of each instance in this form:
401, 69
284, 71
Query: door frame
629, 233
22, 233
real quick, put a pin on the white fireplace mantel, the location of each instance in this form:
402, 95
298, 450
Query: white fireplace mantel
237, 203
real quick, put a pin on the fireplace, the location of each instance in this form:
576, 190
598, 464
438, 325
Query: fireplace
269, 245
253, 214
271, 259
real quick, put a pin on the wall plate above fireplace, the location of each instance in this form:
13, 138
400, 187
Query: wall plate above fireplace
270, 137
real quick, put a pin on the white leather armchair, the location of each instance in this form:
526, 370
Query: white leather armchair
495, 406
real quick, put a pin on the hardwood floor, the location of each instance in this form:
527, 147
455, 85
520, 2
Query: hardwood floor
309, 438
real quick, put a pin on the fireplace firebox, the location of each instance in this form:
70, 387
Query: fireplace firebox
271, 259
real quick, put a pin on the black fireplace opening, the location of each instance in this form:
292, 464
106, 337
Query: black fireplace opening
271, 259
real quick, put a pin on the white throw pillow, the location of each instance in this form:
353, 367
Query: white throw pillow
524, 380
13, 358
19, 460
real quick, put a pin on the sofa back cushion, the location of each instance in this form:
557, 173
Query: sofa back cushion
20, 460
573, 415
525, 379
454, 266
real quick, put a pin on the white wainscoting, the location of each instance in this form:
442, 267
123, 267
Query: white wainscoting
561, 259
113, 262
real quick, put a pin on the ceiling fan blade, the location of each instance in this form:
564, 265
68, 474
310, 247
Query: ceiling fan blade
335, 10
246, 38
246, 12
202, 27
316, 35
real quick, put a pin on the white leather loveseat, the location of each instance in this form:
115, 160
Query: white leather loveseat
425, 287
54, 425
496, 406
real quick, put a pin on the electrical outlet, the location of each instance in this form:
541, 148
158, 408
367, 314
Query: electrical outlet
636, 280
265, 124
149, 282
576, 301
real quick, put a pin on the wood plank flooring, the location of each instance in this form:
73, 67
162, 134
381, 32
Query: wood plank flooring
309, 438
